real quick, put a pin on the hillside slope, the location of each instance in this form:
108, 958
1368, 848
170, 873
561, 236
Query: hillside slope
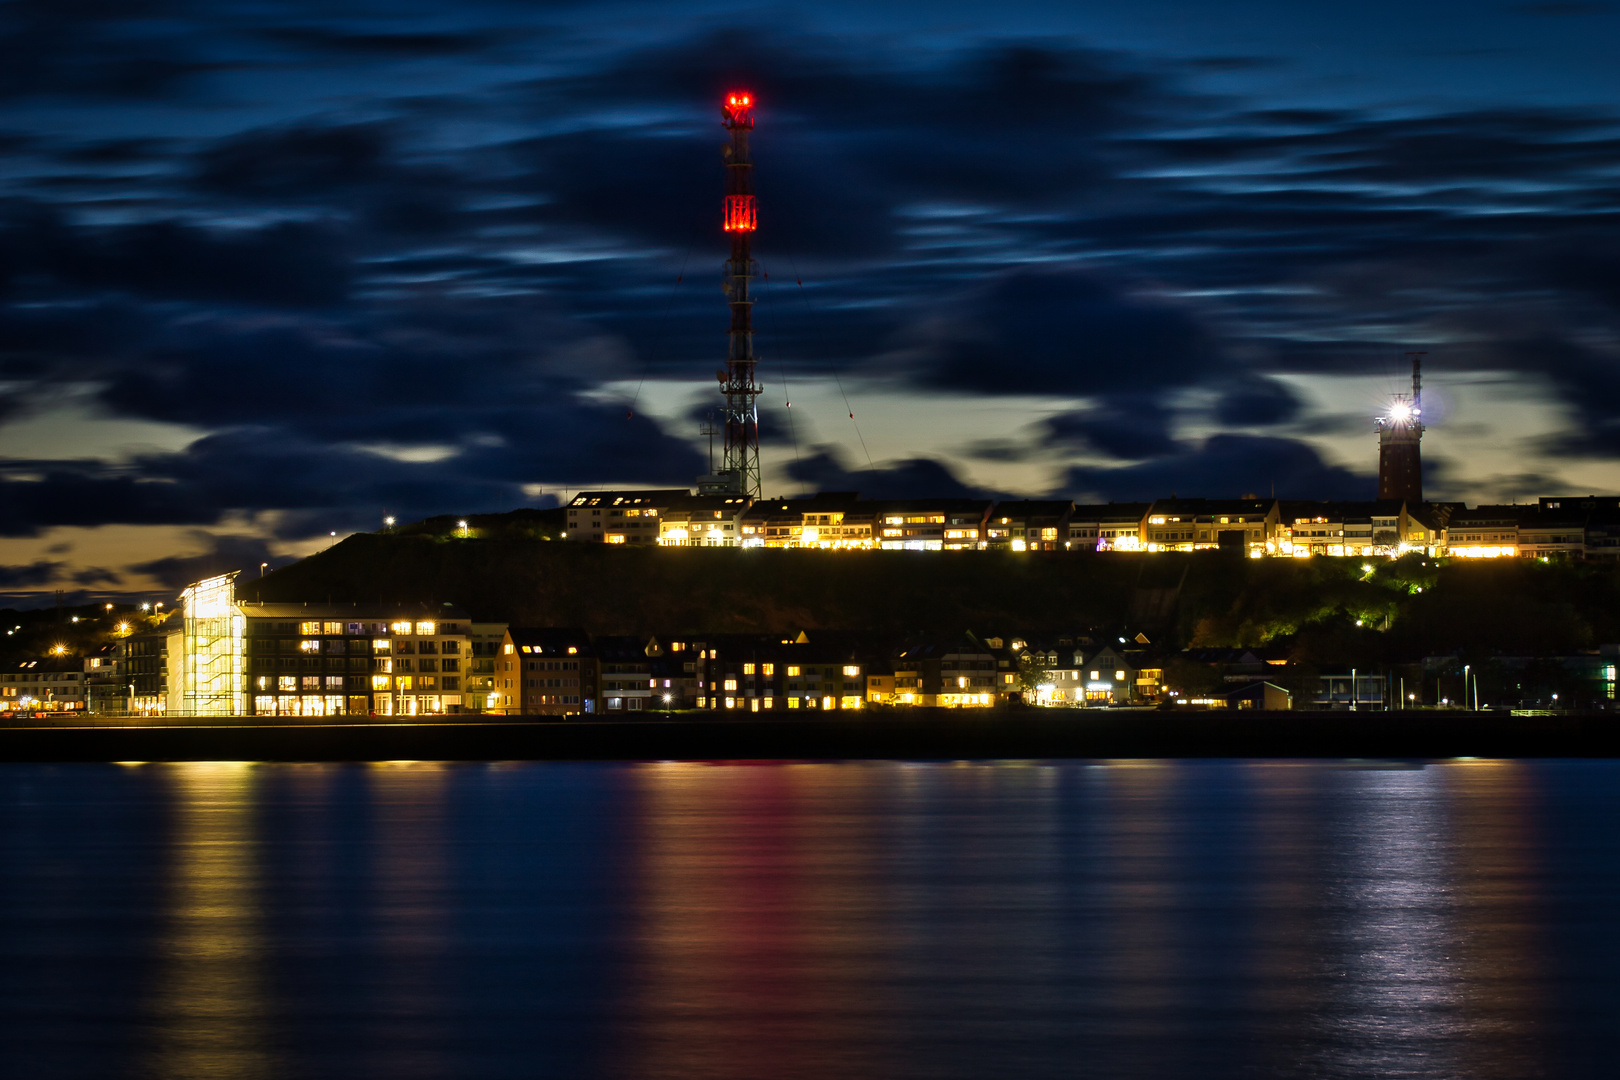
1329, 608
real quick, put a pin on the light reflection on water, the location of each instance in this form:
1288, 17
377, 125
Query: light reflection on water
206, 1000
858, 920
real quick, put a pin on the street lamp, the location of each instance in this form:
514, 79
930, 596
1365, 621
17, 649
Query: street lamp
462, 525
261, 568
388, 522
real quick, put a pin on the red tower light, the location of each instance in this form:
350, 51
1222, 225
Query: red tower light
739, 109
741, 213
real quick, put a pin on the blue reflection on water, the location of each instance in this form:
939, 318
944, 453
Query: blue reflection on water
1204, 919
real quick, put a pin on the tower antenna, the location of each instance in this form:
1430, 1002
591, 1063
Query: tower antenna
739, 462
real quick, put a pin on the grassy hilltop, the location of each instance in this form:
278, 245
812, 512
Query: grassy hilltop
1410, 607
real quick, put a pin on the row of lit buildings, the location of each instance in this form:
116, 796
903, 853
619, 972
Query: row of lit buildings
1578, 527
293, 663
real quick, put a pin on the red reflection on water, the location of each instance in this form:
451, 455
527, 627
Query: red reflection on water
754, 945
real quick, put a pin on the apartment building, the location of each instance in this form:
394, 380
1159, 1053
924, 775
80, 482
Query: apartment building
478, 676
760, 673
703, 521
1244, 525
545, 671
829, 520
1342, 528
931, 524
1029, 525
1107, 526
619, 517
145, 666
49, 684
1483, 532
1115, 675
309, 660
627, 682
952, 672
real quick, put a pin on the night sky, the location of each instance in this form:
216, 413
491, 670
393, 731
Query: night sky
271, 271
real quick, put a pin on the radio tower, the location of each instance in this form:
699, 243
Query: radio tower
1400, 434
739, 463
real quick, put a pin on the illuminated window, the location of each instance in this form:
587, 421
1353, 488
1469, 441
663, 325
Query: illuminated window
793, 703
405, 681
767, 670
332, 628
1095, 675
401, 628
507, 649
334, 682
287, 682
426, 628
731, 703
731, 684
793, 671
379, 682
262, 682
309, 628
309, 646
748, 669
310, 682
852, 670
1119, 676
379, 645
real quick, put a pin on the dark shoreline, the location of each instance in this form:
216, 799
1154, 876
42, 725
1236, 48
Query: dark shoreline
928, 737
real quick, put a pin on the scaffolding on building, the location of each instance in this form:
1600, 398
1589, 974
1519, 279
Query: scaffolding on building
213, 654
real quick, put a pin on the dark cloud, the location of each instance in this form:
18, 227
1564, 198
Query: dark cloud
416, 302
825, 470
97, 575
223, 554
1257, 403
288, 264
1129, 426
385, 45
41, 572
1060, 333
91, 49
305, 162
1226, 466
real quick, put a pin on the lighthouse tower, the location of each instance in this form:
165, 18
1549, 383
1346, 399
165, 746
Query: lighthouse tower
1400, 436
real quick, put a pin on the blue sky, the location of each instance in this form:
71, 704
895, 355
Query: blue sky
270, 271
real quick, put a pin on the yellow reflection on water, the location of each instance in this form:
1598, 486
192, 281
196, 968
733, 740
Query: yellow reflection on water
208, 1000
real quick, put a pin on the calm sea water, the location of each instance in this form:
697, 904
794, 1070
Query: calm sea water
1202, 919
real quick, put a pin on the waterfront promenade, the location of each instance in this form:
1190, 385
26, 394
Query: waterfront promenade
928, 735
